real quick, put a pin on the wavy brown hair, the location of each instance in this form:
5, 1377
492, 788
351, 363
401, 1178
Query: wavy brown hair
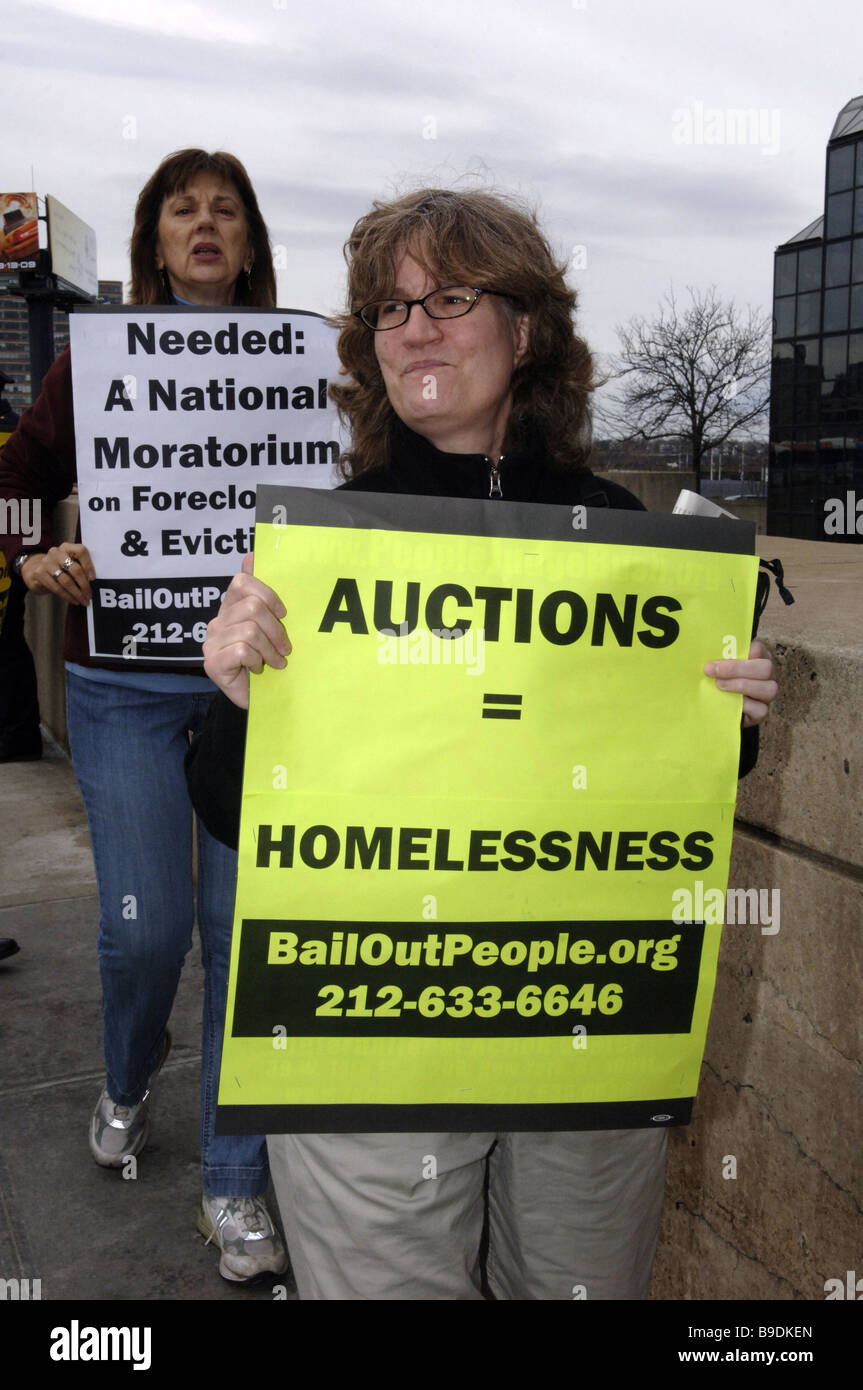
475, 238
149, 286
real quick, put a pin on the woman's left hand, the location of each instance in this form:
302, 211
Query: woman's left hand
753, 679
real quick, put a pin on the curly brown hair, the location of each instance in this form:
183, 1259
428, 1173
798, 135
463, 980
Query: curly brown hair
173, 174
476, 238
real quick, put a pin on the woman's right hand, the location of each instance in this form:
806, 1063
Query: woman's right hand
65, 570
245, 635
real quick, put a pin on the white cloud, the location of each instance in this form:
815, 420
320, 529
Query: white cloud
329, 105
167, 18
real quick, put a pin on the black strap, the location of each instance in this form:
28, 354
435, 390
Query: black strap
762, 592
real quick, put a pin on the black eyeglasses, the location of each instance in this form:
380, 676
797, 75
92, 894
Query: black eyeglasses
451, 302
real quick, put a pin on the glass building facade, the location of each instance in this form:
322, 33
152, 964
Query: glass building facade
816, 407
15, 339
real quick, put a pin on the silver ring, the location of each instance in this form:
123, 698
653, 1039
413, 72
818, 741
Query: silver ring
56, 574
69, 562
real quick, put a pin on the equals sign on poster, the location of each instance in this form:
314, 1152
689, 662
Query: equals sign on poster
501, 707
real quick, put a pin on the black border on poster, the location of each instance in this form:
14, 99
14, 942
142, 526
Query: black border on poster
530, 521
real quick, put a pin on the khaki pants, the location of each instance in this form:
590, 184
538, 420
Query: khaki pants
399, 1216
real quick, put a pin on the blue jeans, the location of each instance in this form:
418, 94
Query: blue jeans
128, 747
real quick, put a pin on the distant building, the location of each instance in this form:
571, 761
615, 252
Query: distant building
735, 466
15, 343
816, 409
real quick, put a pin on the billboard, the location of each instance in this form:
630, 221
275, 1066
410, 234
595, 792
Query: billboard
72, 248
19, 232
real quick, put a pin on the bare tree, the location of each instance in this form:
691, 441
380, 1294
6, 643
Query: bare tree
697, 374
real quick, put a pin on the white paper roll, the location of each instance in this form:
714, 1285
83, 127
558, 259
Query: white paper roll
693, 504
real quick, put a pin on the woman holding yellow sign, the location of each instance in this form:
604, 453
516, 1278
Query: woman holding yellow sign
465, 380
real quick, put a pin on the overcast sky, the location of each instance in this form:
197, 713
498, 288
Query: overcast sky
611, 116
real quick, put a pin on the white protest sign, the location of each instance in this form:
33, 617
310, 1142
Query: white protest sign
179, 414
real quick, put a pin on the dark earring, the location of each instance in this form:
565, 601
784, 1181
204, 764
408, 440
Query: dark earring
249, 276
166, 281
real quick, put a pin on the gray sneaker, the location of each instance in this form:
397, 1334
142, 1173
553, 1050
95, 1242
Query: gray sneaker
117, 1132
244, 1232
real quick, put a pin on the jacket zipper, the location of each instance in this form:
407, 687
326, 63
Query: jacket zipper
495, 489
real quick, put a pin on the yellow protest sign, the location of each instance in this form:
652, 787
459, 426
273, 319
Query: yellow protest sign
471, 802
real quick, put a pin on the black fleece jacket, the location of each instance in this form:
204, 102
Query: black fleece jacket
214, 763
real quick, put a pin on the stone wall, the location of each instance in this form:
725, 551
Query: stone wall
659, 492
780, 1086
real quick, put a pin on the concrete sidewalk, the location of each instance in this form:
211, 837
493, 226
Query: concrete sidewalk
83, 1230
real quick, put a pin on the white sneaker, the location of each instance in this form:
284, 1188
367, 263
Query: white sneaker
244, 1232
119, 1131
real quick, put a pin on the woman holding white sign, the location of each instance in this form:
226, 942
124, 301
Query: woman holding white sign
466, 379
198, 239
